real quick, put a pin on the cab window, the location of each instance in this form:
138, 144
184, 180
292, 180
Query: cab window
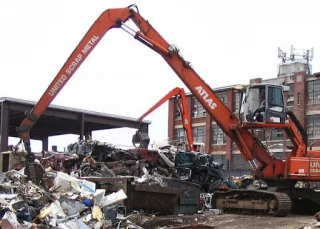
275, 97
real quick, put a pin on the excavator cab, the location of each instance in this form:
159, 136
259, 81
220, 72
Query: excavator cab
263, 103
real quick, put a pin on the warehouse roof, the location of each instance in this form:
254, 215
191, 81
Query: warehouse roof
57, 120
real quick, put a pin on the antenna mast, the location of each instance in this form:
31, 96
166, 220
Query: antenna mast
297, 55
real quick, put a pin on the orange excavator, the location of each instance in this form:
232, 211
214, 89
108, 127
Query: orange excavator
280, 175
181, 100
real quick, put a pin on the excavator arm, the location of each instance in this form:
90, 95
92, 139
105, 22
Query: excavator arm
109, 19
183, 108
250, 148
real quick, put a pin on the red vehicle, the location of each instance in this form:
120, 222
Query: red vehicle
280, 175
181, 100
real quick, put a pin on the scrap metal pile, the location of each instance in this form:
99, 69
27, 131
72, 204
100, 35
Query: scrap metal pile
97, 185
76, 189
68, 203
104, 160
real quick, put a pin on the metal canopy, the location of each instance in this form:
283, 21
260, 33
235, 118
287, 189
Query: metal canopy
59, 120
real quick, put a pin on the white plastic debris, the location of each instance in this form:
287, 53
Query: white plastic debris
113, 198
98, 196
73, 224
15, 173
64, 183
144, 177
9, 221
54, 209
72, 208
88, 186
105, 223
86, 218
8, 196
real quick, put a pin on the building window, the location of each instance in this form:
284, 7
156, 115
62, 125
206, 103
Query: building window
198, 110
218, 137
236, 101
299, 98
219, 157
238, 162
223, 97
313, 126
180, 135
199, 134
177, 113
290, 101
313, 91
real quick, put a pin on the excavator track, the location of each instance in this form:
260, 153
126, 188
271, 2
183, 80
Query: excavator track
259, 202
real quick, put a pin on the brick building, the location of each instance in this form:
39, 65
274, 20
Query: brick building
303, 98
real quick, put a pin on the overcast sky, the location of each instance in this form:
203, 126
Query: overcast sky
227, 42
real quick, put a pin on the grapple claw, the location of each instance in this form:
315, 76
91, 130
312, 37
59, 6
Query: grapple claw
141, 139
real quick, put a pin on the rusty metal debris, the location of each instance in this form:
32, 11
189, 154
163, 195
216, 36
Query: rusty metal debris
199, 168
68, 202
177, 197
169, 182
96, 185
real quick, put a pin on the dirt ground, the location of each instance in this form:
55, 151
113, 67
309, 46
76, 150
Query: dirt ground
227, 221
252, 222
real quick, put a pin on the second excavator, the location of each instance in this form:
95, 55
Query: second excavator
181, 101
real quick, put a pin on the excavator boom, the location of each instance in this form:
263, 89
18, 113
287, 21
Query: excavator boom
109, 19
184, 111
169, 95
115, 18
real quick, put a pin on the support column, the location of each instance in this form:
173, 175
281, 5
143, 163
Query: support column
45, 143
171, 119
208, 141
81, 121
88, 134
230, 104
190, 106
4, 134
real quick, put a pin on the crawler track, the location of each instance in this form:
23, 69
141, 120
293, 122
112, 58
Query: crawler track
253, 202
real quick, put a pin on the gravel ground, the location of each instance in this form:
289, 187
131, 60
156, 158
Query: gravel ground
246, 221
226, 221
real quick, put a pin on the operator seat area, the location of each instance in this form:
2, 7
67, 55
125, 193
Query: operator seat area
263, 103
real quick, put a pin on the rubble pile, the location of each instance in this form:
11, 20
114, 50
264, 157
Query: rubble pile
97, 185
70, 196
58, 161
105, 160
69, 203
72, 202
